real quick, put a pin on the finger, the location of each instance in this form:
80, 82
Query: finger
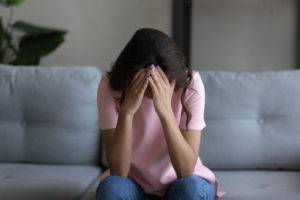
143, 86
173, 83
153, 86
156, 79
159, 76
139, 81
163, 75
136, 76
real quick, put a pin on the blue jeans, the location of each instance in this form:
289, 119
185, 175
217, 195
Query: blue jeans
191, 187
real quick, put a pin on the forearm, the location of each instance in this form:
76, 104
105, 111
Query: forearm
181, 154
120, 160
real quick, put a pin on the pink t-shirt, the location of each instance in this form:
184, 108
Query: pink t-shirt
151, 166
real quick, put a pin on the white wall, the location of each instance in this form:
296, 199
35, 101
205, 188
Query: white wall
98, 29
244, 34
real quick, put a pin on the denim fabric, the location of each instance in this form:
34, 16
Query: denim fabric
190, 187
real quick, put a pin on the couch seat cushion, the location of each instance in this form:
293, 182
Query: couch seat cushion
42, 181
260, 184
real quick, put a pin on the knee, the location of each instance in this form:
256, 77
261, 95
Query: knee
115, 187
191, 187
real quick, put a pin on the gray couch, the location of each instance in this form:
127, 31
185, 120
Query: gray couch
50, 142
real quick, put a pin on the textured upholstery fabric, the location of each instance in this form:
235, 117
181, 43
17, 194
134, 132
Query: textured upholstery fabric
260, 184
50, 143
252, 120
249, 185
90, 194
45, 181
49, 115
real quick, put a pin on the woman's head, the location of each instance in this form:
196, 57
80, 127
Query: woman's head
149, 46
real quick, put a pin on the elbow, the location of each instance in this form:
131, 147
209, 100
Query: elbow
117, 172
117, 168
185, 173
187, 170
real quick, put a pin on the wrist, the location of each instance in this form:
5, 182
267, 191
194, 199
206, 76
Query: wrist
166, 113
125, 113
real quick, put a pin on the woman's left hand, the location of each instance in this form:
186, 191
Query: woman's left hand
162, 90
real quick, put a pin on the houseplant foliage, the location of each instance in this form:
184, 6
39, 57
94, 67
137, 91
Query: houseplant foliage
23, 43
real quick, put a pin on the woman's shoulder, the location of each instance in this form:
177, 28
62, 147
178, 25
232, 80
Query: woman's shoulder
105, 85
104, 78
196, 86
196, 80
104, 82
196, 74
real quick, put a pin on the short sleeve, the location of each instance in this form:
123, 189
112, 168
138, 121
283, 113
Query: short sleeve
107, 105
195, 104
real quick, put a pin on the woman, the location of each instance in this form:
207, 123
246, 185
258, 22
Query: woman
151, 113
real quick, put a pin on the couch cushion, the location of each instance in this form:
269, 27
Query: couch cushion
41, 181
49, 114
90, 193
262, 185
252, 119
246, 185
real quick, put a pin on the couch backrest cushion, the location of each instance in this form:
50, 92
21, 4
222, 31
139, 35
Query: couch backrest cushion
253, 119
49, 114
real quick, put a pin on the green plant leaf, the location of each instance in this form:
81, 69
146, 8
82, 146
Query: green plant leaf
32, 29
36, 42
8, 3
40, 45
8, 47
25, 60
33, 47
8, 39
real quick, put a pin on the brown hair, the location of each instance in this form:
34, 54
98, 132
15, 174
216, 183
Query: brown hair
150, 46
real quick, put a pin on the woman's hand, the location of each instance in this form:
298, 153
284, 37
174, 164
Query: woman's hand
135, 92
162, 90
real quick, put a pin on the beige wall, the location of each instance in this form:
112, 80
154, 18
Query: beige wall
244, 34
226, 34
99, 29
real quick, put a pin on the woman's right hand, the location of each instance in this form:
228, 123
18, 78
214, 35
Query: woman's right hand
135, 92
